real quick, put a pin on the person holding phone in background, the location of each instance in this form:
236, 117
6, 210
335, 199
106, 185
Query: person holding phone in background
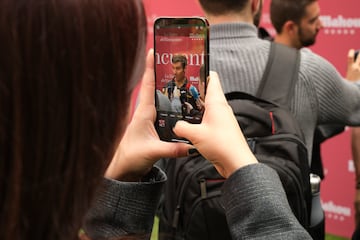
354, 62
299, 29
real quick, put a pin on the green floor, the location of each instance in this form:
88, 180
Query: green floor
154, 235
331, 237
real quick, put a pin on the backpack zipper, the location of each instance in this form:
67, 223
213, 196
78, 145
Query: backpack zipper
204, 196
181, 194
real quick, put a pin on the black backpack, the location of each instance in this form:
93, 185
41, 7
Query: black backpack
191, 208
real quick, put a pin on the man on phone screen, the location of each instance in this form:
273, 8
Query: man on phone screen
182, 95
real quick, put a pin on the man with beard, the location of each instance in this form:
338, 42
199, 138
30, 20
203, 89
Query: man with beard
297, 23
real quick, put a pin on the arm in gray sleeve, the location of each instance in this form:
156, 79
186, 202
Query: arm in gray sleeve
125, 208
256, 206
338, 99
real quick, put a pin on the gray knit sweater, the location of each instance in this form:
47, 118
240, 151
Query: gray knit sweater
321, 95
254, 200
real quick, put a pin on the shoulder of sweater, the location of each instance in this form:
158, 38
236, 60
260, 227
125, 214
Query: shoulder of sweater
308, 56
314, 64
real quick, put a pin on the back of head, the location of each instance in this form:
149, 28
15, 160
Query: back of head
282, 11
67, 68
220, 7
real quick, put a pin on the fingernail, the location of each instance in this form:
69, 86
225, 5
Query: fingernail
193, 152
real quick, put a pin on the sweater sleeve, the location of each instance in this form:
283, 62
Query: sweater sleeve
125, 208
256, 206
338, 99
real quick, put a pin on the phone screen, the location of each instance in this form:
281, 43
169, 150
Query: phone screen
181, 69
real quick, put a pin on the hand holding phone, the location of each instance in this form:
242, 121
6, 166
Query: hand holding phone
356, 53
181, 68
353, 65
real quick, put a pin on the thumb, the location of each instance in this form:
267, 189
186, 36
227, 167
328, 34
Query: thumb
214, 92
350, 57
186, 130
171, 150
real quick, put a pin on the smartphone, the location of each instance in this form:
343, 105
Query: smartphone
356, 54
181, 52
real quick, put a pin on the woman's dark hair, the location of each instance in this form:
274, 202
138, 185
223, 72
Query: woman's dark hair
67, 69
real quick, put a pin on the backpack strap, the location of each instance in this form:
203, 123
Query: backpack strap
280, 75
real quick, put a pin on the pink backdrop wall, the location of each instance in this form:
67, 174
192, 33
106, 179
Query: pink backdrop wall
341, 31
